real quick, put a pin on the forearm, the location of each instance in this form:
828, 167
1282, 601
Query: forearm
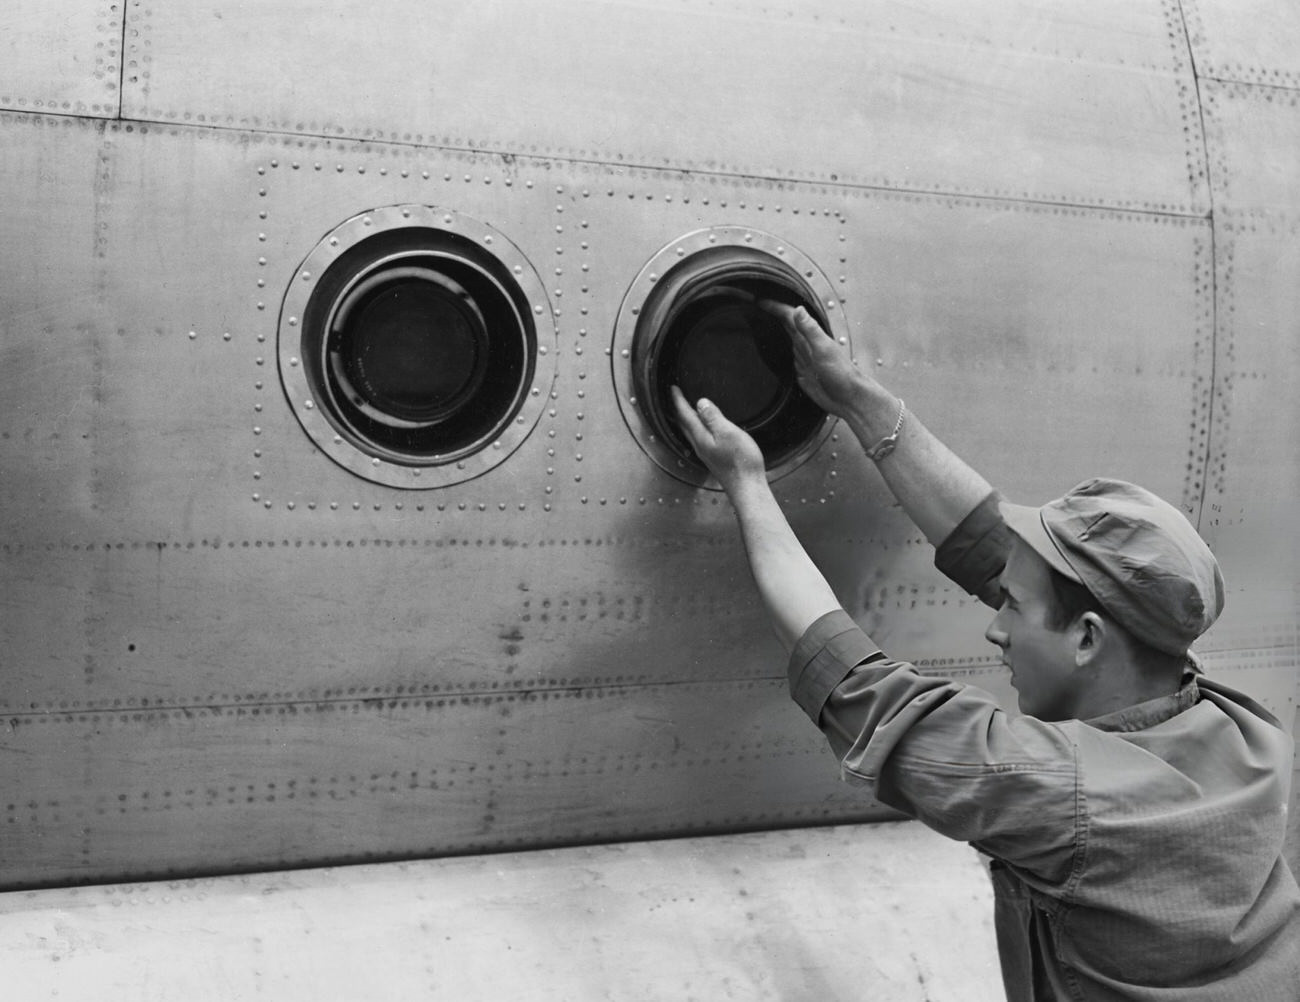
936, 487
791, 587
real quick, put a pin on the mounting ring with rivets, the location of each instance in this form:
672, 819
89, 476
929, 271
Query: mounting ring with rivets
690, 318
416, 346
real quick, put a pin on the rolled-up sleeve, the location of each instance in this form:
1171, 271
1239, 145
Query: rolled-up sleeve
829, 649
940, 751
975, 552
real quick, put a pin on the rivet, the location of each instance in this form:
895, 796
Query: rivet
257, 497
293, 321
374, 462
625, 353
193, 335
356, 505
290, 506
225, 336
541, 350
334, 506
293, 361
537, 310
308, 404
306, 276
447, 220
261, 260
257, 430
267, 504
518, 270
487, 240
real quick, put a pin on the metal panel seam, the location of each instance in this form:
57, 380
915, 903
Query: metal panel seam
121, 63
1214, 284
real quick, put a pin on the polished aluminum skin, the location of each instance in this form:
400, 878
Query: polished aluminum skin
1069, 239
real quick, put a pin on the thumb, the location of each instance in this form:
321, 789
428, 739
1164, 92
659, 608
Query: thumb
807, 326
709, 413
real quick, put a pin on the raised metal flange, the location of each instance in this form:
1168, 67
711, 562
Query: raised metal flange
310, 401
677, 262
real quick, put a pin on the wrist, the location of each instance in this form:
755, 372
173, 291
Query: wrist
873, 415
749, 491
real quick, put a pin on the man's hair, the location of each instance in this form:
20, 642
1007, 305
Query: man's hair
1070, 600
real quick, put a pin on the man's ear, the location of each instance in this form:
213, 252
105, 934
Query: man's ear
1090, 634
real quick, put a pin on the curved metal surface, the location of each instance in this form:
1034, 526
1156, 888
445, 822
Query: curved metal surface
1068, 251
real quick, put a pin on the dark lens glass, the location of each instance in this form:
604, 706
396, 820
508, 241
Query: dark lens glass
414, 350
736, 355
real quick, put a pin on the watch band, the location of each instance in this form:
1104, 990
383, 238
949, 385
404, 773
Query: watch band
886, 445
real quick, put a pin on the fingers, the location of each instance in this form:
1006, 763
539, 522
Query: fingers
694, 427
797, 320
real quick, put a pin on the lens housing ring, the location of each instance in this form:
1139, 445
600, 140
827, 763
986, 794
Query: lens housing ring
706, 281
383, 399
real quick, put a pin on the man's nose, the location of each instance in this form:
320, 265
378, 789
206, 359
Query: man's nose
995, 634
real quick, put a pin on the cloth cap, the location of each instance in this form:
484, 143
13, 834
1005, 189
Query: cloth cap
1139, 556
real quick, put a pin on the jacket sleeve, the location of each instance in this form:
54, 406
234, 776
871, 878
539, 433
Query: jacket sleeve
975, 552
943, 752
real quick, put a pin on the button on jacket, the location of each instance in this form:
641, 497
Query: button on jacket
1136, 856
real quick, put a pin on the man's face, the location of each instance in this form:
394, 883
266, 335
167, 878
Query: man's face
1041, 659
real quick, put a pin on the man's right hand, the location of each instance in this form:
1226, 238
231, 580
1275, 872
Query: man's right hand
824, 369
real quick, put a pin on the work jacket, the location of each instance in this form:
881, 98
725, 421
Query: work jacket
1136, 856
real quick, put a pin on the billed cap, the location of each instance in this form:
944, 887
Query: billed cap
1138, 555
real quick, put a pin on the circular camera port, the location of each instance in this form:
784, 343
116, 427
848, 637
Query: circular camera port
699, 324
409, 350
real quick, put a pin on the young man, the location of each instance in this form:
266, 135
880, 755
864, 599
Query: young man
1135, 812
